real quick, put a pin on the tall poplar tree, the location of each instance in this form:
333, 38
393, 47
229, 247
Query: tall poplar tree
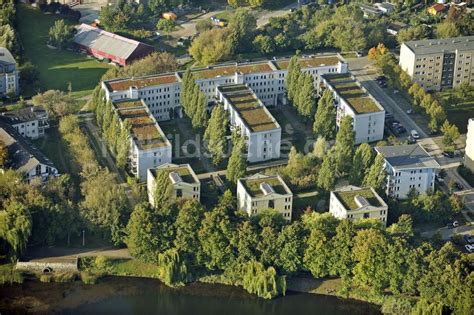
215, 134
344, 147
237, 166
363, 159
325, 117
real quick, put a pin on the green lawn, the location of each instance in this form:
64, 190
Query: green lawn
56, 67
458, 109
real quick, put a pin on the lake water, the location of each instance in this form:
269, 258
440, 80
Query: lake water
148, 298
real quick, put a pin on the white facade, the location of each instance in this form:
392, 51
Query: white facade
161, 93
30, 122
253, 121
408, 167
24, 158
149, 147
439, 63
356, 203
183, 179
367, 113
9, 75
260, 192
469, 155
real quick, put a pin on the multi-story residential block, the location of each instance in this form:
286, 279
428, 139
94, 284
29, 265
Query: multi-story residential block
23, 157
439, 63
253, 121
30, 122
353, 203
260, 192
161, 93
352, 99
408, 167
183, 179
469, 155
9, 75
149, 146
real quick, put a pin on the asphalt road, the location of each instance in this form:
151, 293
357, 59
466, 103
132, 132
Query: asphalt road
364, 71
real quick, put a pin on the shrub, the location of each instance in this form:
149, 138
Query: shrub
89, 278
65, 277
101, 263
10, 276
45, 278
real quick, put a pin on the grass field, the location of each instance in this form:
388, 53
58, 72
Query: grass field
458, 109
56, 67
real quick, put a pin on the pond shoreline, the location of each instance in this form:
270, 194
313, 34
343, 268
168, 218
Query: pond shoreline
45, 298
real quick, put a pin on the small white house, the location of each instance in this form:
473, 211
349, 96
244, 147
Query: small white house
352, 99
31, 122
252, 119
260, 192
408, 167
183, 179
24, 158
149, 146
354, 203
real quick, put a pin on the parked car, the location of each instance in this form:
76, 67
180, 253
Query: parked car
415, 134
458, 186
409, 111
380, 78
396, 91
411, 140
453, 225
358, 54
442, 173
469, 248
448, 154
469, 238
401, 129
382, 84
439, 179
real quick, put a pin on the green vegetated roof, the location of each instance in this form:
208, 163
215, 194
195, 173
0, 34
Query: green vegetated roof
350, 91
128, 104
248, 107
310, 62
348, 198
252, 185
182, 170
143, 128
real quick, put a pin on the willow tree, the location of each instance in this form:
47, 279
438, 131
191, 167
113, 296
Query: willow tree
15, 227
265, 283
172, 269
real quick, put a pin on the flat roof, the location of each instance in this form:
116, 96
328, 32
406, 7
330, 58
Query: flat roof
124, 84
124, 104
252, 185
145, 131
432, 46
244, 101
347, 197
183, 170
407, 156
349, 90
309, 62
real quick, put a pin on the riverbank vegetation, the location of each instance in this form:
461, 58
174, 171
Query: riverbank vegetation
258, 253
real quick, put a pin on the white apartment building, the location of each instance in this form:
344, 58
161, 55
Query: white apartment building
161, 93
9, 75
183, 179
439, 63
469, 155
354, 100
260, 192
30, 122
23, 157
149, 147
252, 119
354, 203
408, 167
